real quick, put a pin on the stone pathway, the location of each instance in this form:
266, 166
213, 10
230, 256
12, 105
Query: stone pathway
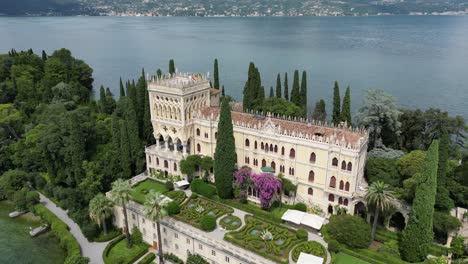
92, 250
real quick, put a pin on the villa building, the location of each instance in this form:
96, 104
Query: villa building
326, 162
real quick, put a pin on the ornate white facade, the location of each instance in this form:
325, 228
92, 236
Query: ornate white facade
327, 163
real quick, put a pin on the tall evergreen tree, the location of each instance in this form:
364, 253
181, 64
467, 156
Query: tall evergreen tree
272, 94
346, 109
76, 148
125, 155
159, 73
278, 86
116, 138
295, 89
148, 136
418, 234
443, 201
303, 93
320, 112
44, 56
110, 102
140, 102
171, 66
132, 130
286, 89
102, 98
216, 74
225, 153
336, 104
252, 94
122, 90
223, 92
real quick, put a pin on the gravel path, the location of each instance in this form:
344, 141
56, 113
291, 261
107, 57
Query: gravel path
91, 250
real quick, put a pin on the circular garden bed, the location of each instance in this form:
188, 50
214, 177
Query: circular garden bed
230, 222
310, 247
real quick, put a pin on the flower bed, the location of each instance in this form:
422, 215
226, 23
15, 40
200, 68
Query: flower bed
252, 237
230, 222
310, 247
193, 210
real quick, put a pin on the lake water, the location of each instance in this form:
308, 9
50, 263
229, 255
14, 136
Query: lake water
422, 60
16, 246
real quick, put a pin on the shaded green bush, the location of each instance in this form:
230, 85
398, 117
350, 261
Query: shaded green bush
301, 234
169, 185
137, 237
310, 247
390, 248
350, 230
173, 258
203, 188
300, 207
196, 259
208, 223
173, 208
334, 246
60, 229
105, 254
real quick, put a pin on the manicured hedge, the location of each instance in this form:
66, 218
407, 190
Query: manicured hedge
302, 234
438, 250
173, 208
108, 248
253, 209
60, 229
310, 247
230, 222
148, 259
300, 207
203, 188
108, 237
141, 254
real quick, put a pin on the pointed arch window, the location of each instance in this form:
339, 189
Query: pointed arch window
343, 165
263, 163
198, 148
333, 182
331, 198
292, 153
311, 176
341, 185
255, 144
247, 142
313, 157
345, 202
276, 148
310, 191
340, 200
282, 151
198, 132
349, 167
273, 165
347, 186
335, 162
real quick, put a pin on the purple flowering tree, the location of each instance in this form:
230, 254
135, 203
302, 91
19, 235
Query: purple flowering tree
267, 185
241, 182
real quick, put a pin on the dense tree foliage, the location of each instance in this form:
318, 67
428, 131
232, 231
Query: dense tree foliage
320, 112
54, 135
418, 234
345, 114
225, 155
253, 93
281, 107
350, 230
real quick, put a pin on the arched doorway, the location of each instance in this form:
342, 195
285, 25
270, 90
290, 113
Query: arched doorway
360, 210
397, 221
330, 209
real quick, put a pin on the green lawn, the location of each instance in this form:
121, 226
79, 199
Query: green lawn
120, 252
140, 191
342, 258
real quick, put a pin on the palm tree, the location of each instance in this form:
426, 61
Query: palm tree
154, 209
378, 195
120, 194
99, 209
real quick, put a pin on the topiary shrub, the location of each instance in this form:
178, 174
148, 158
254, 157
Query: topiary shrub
208, 223
301, 234
350, 230
137, 237
169, 185
173, 208
310, 247
334, 246
300, 207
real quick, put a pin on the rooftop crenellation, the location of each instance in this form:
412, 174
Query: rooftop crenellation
179, 79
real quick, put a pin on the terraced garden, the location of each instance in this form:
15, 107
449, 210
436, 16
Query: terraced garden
269, 240
230, 222
140, 190
177, 196
193, 210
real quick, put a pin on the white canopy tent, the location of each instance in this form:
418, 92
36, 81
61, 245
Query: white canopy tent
309, 259
181, 184
301, 218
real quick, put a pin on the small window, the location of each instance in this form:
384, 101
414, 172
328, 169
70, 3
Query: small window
188, 240
200, 246
216, 135
255, 144
157, 161
164, 230
310, 191
227, 259
345, 202
206, 135
347, 186
263, 163
175, 166
198, 148
276, 148
335, 162
292, 153
166, 164
312, 157
282, 151
340, 200
341, 185
349, 167
331, 198
149, 159
333, 182
247, 142
198, 132
343, 165
311, 176
262, 146
213, 253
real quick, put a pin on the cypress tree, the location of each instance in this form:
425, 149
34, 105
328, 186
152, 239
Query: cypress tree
418, 234
320, 112
222, 92
116, 143
125, 160
140, 102
44, 55
76, 147
249, 93
278, 86
346, 109
159, 73
132, 130
336, 104
147, 126
303, 93
171, 67
286, 89
225, 155
216, 74
122, 91
295, 89
443, 201
110, 102
271, 92
102, 99
132, 94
